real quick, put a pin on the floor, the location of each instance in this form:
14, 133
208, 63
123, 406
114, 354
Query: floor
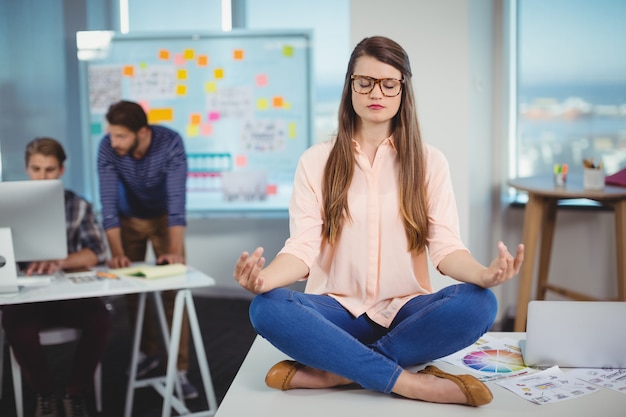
227, 336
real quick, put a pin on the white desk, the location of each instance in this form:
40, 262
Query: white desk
64, 289
249, 396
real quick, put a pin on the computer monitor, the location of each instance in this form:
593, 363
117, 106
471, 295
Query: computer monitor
32, 213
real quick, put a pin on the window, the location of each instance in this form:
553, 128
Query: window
571, 85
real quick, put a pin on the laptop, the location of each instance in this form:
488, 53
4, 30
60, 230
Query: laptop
575, 334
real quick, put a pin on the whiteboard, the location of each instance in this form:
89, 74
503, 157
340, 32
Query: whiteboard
241, 101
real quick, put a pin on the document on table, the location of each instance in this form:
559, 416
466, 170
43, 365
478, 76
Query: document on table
614, 379
549, 386
491, 358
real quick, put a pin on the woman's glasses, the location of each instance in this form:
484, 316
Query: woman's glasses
390, 87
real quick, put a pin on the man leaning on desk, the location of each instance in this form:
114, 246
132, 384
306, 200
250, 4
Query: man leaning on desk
45, 159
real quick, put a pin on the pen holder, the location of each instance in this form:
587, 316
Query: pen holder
560, 179
593, 179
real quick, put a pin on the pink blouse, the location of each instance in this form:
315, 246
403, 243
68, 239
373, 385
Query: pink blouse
369, 269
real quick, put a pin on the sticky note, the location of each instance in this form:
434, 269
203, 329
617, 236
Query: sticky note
188, 54
210, 87
238, 54
128, 71
96, 128
179, 60
277, 101
219, 73
181, 90
195, 118
271, 189
181, 74
261, 80
288, 50
292, 130
192, 131
202, 60
165, 114
206, 129
164, 54
214, 115
262, 104
143, 65
241, 160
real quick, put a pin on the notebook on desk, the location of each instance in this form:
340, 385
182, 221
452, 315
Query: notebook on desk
575, 334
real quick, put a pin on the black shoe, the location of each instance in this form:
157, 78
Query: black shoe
46, 406
146, 364
74, 406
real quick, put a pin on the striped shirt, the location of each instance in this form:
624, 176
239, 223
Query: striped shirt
145, 188
83, 231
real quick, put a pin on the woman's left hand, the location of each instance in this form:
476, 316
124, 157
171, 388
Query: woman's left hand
504, 267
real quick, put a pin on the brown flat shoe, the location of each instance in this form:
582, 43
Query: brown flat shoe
476, 392
279, 376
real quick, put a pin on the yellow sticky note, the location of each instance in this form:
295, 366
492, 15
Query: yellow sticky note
181, 74
238, 54
143, 65
210, 87
262, 104
292, 130
288, 50
160, 115
188, 54
181, 90
193, 131
219, 73
164, 54
128, 71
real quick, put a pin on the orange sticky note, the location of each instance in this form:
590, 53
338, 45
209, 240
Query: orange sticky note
203, 60
238, 54
128, 71
219, 73
160, 115
277, 101
164, 54
195, 118
181, 90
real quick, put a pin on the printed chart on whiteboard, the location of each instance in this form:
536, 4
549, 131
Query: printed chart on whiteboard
241, 102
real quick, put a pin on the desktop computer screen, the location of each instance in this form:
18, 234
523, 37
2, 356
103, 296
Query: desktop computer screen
34, 211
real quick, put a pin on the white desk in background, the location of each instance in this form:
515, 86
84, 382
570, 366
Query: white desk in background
248, 396
64, 289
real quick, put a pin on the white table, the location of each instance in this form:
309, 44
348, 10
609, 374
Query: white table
64, 289
249, 396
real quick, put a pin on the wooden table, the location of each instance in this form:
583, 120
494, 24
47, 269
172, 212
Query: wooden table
539, 221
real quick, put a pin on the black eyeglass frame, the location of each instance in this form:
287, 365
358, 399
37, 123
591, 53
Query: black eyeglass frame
375, 81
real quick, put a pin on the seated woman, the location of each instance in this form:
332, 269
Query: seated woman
367, 209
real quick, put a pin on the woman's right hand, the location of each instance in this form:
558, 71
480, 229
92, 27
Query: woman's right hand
248, 271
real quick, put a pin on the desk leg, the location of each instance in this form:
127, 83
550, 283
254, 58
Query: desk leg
620, 244
532, 227
545, 250
132, 377
185, 299
158, 303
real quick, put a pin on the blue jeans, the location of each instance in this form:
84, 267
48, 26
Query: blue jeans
317, 331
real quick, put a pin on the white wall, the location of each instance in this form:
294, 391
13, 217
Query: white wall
455, 47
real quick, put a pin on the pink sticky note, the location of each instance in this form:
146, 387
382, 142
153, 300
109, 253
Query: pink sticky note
214, 115
179, 60
261, 80
241, 160
206, 129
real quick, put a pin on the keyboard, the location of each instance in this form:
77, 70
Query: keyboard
24, 280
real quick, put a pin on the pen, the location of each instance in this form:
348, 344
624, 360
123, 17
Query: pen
106, 275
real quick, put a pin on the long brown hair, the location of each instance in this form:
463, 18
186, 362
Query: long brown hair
408, 142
